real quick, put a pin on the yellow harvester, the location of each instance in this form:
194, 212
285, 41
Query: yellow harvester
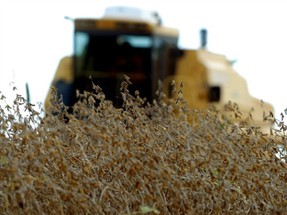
132, 42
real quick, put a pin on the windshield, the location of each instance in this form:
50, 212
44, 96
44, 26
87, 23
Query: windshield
107, 57
98, 53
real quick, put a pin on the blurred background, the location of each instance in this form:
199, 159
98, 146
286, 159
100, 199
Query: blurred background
34, 36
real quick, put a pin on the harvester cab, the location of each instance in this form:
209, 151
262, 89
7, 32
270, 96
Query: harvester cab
133, 42
126, 41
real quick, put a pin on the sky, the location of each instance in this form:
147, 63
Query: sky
34, 36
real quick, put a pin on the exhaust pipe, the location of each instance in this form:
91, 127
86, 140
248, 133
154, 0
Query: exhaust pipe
203, 38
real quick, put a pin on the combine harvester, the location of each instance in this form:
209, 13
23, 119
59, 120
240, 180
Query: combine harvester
132, 42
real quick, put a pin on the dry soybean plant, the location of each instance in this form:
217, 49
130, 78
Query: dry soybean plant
139, 159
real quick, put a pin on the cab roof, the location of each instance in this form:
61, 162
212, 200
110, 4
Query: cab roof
126, 19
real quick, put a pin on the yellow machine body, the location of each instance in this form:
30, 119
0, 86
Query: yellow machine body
210, 79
